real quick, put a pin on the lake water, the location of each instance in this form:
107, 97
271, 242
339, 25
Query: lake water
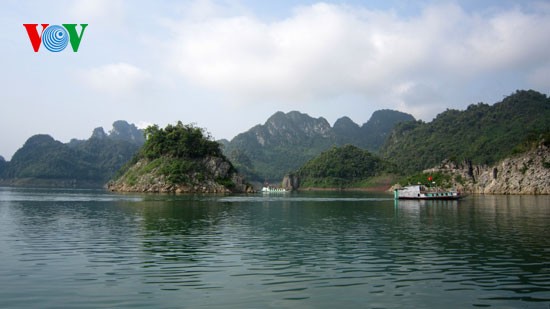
94, 249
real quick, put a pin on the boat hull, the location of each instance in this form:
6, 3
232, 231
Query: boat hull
430, 197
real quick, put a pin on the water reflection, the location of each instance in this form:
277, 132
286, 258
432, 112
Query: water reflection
305, 250
495, 238
294, 246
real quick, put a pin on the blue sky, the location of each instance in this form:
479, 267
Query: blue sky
229, 65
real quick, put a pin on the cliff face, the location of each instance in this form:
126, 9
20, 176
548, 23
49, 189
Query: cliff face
528, 173
291, 182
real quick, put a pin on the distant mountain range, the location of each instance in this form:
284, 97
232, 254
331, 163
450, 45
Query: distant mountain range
287, 141
46, 162
480, 135
282, 144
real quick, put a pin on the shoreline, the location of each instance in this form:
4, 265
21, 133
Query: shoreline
380, 189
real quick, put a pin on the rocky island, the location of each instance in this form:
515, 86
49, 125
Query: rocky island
178, 159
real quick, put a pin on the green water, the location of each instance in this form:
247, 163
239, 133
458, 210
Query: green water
93, 249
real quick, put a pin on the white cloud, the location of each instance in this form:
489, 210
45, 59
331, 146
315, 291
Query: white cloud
119, 78
330, 50
540, 77
96, 10
142, 124
162, 61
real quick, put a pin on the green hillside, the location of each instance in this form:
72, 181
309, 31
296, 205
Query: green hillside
45, 161
176, 158
482, 134
44, 157
287, 141
340, 167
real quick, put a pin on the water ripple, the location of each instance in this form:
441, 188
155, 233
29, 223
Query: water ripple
77, 250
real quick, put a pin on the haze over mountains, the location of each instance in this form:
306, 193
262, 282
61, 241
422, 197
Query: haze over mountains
268, 151
481, 134
45, 161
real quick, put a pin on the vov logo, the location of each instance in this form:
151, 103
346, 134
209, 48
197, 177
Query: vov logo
55, 38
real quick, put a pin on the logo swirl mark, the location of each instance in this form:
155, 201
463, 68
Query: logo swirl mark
55, 38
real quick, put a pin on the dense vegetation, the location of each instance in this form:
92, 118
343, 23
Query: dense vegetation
179, 141
44, 157
78, 163
282, 144
178, 153
340, 167
287, 141
375, 132
482, 134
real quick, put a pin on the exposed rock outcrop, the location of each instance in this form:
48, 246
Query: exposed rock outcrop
528, 173
217, 176
179, 159
291, 182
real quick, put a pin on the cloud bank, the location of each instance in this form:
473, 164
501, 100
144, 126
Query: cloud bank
118, 78
326, 50
230, 64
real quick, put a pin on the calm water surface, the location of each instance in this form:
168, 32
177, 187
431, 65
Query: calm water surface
93, 249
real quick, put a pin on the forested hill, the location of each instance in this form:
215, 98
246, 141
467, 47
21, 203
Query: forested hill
340, 167
43, 161
288, 140
482, 134
179, 158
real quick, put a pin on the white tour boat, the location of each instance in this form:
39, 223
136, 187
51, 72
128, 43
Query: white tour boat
421, 192
269, 189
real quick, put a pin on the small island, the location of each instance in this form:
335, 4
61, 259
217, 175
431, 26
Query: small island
179, 159
343, 168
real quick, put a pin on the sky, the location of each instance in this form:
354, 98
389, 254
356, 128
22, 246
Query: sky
229, 65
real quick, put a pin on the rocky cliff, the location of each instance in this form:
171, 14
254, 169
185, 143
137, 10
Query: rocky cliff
528, 173
291, 182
